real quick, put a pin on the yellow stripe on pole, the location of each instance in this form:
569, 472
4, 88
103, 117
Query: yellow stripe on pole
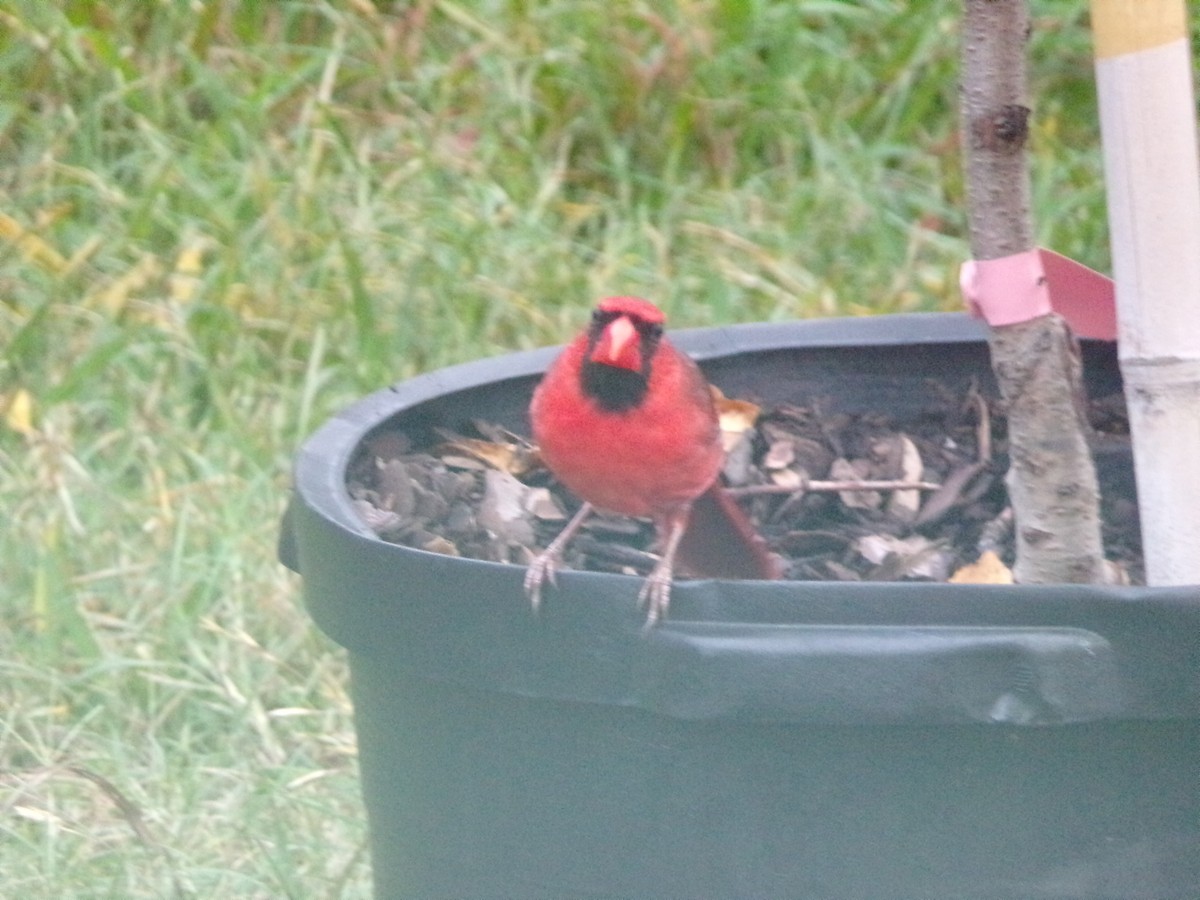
1127, 26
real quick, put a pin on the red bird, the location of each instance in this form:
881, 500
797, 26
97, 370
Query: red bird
627, 422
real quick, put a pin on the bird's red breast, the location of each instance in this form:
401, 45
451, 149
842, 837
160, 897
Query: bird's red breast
624, 419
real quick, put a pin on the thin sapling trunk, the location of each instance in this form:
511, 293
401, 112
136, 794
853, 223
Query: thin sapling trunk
1051, 479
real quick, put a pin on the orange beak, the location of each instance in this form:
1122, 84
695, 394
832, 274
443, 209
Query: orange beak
620, 345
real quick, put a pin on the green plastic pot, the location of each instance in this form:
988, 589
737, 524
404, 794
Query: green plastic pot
770, 739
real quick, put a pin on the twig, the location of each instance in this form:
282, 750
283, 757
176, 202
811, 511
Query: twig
761, 490
983, 431
949, 494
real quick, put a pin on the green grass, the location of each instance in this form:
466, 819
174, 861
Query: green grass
222, 221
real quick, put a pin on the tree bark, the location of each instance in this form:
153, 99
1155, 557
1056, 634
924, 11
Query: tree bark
1051, 479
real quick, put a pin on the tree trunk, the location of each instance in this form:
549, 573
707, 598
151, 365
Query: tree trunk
1051, 479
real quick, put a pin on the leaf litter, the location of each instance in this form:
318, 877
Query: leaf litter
839, 496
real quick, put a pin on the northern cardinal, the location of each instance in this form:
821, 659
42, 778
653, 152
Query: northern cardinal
627, 422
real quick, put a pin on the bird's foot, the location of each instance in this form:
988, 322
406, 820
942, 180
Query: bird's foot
655, 595
545, 564
541, 570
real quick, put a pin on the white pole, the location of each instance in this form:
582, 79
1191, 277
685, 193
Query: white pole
1152, 171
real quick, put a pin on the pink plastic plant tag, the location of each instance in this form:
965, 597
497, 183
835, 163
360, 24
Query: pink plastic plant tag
1023, 286
1007, 290
1082, 296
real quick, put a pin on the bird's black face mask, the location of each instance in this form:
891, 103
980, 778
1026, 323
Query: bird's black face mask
618, 388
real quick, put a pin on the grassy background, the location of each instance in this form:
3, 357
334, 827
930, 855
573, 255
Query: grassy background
220, 221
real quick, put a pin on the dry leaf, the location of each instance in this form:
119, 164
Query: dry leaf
467, 453
502, 509
904, 505
780, 455
395, 488
735, 416
541, 504
739, 457
439, 544
856, 470
381, 520
788, 478
988, 569
915, 556
18, 414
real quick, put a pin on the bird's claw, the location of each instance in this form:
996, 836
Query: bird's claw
543, 568
655, 596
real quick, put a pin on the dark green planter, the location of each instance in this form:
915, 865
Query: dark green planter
770, 740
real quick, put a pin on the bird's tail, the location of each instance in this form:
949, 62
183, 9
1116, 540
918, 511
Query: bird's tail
720, 541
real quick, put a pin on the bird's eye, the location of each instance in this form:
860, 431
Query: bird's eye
653, 330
